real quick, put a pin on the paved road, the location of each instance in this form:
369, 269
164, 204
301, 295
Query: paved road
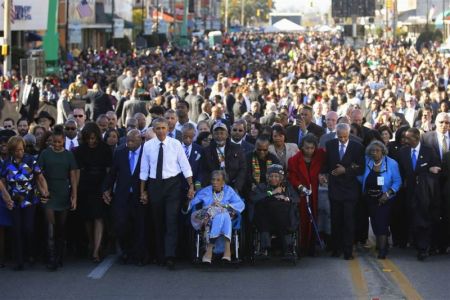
400, 277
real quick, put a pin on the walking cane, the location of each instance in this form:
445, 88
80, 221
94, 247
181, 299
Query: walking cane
308, 193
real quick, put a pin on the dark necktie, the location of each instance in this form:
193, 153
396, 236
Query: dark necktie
159, 165
71, 146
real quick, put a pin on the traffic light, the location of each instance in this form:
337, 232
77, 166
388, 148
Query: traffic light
5, 50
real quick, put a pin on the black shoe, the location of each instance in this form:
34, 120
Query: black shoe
170, 264
421, 256
335, 254
52, 266
381, 256
348, 257
123, 260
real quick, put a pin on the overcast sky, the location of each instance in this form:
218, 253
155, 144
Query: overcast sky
302, 6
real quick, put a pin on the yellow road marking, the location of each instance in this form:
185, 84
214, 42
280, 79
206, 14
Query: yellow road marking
359, 282
402, 281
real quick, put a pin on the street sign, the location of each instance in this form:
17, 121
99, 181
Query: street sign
118, 28
148, 26
75, 33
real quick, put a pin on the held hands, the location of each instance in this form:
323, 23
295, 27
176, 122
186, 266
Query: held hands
191, 192
338, 171
107, 197
73, 202
8, 201
144, 197
278, 190
435, 170
383, 199
323, 180
45, 197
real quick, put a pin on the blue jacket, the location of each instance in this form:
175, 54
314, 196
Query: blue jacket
389, 170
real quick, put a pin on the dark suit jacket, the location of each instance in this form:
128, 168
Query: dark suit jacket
426, 158
178, 135
195, 160
420, 185
121, 179
431, 140
246, 146
346, 186
235, 165
292, 132
97, 103
33, 102
324, 139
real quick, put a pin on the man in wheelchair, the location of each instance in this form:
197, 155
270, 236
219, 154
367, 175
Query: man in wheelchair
220, 203
276, 212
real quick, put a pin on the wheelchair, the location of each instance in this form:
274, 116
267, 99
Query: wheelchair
198, 243
293, 247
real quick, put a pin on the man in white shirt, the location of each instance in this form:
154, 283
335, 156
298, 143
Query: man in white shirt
183, 115
70, 131
163, 161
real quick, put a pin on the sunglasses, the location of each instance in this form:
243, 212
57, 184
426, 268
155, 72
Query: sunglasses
7, 126
70, 128
78, 116
238, 130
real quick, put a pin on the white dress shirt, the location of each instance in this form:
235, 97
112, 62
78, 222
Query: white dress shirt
417, 152
174, 159
345, 146
67, 143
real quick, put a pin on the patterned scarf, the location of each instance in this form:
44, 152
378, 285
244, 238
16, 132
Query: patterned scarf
256, 168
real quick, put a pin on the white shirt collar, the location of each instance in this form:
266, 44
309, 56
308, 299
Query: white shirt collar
417, 149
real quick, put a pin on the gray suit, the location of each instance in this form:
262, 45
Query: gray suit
131, 107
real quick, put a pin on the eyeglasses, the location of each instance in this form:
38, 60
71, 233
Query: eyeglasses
7, 126
70, 128
440, 122
78, 116
238, 130
262, 150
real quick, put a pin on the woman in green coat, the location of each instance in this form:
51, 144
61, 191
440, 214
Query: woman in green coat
59, 168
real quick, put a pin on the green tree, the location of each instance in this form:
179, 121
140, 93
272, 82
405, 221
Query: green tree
258, 9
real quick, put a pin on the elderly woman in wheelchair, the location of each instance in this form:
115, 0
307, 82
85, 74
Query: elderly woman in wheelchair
276, 212
220, 204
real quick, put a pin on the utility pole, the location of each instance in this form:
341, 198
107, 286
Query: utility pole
112, 21
242, 12
7, 37
226, 16
444, 27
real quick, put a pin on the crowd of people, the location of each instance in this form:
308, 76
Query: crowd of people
125, 152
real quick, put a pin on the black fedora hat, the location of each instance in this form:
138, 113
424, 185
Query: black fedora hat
46, 115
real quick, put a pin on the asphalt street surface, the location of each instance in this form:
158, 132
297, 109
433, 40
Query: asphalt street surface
401, 276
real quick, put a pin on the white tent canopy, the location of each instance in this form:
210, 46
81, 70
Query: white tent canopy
284, 25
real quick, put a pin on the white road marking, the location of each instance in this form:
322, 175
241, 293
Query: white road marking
103, 267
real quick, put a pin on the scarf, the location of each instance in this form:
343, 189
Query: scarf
256, 168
